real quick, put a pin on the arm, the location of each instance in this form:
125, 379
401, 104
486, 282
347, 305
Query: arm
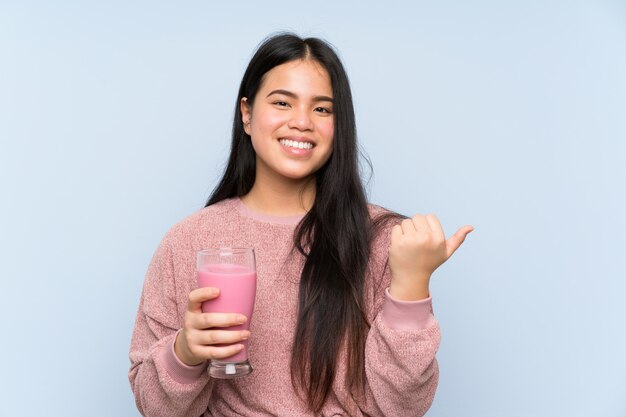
161, 383
400, 365
401, 369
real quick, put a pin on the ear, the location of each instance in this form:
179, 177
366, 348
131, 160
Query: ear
246, 114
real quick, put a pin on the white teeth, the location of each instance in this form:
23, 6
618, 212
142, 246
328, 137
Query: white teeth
295, 144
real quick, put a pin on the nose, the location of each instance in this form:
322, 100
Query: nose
301, 120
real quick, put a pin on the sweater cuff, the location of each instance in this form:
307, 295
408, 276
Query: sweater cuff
407, 315
176, 369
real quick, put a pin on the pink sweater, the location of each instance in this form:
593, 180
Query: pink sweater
400, 364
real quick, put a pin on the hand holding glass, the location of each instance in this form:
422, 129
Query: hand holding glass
233, 271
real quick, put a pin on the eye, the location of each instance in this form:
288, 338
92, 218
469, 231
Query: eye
325, 110
281, 103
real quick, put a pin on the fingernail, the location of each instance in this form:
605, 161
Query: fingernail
245, 335
241, 319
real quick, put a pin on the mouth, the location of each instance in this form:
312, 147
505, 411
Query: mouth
297, 144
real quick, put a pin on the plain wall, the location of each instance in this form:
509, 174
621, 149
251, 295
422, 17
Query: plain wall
510, 116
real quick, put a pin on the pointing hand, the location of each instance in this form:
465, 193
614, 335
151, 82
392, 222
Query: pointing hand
418, 247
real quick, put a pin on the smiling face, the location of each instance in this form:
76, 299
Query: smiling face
291, 121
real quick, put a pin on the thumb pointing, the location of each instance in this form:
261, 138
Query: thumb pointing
453, 243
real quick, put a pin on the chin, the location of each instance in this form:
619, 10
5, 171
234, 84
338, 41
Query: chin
298, 176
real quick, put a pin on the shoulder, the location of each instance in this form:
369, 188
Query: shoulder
376, 211
382, 220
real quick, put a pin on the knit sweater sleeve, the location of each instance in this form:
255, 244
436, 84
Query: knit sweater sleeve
162, 384
401, 370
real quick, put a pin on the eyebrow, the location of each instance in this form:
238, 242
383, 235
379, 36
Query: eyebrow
293, 95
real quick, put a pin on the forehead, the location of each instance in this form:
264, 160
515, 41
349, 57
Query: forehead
304, 76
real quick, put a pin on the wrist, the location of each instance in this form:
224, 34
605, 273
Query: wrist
410, 289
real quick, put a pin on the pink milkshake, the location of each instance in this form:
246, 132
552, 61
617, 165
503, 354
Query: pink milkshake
232, 270
237, 285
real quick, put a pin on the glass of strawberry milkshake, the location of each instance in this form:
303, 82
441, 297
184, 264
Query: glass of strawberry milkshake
233, 271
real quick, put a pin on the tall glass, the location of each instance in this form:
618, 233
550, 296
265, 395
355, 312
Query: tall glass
233, 271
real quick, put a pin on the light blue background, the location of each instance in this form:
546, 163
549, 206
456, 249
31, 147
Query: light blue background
510, 116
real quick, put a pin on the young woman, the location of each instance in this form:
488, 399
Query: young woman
343, 324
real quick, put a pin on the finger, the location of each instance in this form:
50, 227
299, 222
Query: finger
211, 320
435, 226
217, 352
453, 243
200, 295
226, 337
408, 227
420, 223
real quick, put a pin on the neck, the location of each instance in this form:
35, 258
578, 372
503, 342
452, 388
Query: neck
282, 197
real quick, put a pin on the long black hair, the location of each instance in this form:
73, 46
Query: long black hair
334, 236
